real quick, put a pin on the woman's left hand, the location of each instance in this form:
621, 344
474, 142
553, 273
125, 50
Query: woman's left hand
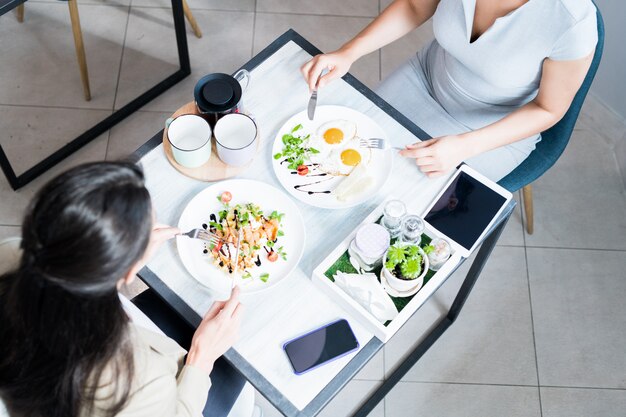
160, 234
438, 156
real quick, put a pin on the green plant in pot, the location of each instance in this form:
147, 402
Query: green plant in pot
405, 266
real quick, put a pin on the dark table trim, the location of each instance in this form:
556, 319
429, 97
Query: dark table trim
117, 116
373, 346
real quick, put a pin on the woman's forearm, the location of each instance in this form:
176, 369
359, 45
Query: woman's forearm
401, 17
526, 121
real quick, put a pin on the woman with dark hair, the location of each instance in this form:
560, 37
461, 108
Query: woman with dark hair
67, 346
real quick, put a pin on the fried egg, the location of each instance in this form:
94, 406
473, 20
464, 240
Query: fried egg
339, 159
335, 132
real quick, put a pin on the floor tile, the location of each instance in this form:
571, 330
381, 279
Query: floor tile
459, 400
134, 288
13, 203
343, 405
235, 5
595, 116
578, 304
101, 2
367, 8
30, 134
325, 32
10, 231
513, 234
491, 342
396, 53
580, 202
133, 132
150, 50
571, 402
375, 368
39, 65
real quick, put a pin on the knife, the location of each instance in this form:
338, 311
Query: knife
313, 100
234, 283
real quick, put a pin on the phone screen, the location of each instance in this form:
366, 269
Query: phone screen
321, 346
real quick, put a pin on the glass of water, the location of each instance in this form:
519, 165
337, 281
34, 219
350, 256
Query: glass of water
393, 213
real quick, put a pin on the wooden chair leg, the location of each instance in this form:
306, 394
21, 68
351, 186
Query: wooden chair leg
192, 20
80, 47
19, 10
527, 193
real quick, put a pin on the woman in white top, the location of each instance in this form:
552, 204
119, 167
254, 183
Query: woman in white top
497, 74
67, 347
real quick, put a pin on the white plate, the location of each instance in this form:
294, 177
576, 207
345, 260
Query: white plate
379, 167
268, 198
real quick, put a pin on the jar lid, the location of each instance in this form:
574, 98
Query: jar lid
215, 93
372, 240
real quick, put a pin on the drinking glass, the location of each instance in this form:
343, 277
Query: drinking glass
393, 213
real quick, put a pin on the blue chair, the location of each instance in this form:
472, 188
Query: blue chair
554, 140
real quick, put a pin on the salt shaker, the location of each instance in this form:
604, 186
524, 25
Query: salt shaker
369, 245
412, 228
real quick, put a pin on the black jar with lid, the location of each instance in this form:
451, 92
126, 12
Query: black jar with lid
219, 94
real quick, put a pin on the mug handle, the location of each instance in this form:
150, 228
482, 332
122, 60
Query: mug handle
243, 76
169, 121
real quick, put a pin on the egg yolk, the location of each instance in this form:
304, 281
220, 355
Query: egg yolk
333, 136
350, 157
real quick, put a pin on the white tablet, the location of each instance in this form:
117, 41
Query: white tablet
466, 209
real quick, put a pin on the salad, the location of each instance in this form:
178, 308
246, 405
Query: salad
260, 234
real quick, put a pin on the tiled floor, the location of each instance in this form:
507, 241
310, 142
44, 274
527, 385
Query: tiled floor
543, 333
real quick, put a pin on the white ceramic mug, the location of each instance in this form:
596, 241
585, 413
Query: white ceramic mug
190, 137
236, 139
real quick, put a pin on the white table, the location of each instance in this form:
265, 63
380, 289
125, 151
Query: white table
296, 306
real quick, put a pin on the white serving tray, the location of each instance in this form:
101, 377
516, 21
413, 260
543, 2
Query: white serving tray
381, 331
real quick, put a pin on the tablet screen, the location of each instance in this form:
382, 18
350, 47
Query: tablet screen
465, 210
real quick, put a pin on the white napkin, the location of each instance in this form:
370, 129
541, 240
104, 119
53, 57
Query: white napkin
367, 291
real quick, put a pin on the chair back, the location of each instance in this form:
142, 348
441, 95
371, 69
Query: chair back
554, 140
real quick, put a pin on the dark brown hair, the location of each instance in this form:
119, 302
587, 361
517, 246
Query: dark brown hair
61, 321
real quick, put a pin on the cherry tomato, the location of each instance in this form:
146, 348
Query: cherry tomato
217, 247
226, 197
302, 170
272, 256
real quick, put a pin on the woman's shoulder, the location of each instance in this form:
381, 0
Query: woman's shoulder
577, 10
155, 354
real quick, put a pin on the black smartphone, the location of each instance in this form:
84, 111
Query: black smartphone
321, 346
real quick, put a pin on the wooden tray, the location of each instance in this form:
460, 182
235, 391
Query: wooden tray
214, 169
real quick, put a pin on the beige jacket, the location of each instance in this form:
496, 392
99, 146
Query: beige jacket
162, 386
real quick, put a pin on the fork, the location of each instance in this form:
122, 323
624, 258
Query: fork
377, 143
202, 234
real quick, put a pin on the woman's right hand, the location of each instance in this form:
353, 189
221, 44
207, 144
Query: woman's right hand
337, 63
217, 332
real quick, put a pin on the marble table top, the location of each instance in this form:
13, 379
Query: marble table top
296, 306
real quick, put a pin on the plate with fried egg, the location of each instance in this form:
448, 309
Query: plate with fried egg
320, 162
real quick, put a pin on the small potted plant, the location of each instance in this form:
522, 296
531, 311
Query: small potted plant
405, 266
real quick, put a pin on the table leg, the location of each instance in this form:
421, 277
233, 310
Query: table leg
468, 283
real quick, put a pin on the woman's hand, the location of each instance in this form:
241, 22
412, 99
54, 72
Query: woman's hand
438, 156
160, 234
218, 331
337, 63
